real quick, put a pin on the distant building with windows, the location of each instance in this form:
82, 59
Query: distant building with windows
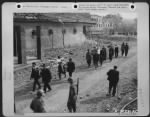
102, 26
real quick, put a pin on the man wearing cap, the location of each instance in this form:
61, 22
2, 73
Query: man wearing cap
88, 58
60, 69
111, 53
46, 77
35, 75
71, 104
126, 48
37, 104
122, 48
70, 67
113, 78
116, 51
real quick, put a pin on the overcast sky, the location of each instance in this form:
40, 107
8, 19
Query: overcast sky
124, 15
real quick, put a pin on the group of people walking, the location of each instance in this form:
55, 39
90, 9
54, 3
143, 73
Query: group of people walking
100, 55
124, 49
64, 67
97, 55
43, 73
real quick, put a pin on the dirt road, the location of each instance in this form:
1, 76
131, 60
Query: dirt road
92, 89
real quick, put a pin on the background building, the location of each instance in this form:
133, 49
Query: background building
34, 32
102, 25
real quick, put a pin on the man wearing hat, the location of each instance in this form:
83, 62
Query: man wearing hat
113, 78
35, 75
46, 77
70, 67
37, 104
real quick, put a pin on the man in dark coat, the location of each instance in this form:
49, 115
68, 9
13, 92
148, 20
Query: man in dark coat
122, 48
105, 53
116, 51
71, 104
95, 59
37, 104
35, 74
111, 53
46, 77
70, 67
60, 69
88, 58
113, 78
126, 48
102, 56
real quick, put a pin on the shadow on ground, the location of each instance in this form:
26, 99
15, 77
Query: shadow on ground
95, 100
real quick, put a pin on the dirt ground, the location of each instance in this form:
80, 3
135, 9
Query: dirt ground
93, 86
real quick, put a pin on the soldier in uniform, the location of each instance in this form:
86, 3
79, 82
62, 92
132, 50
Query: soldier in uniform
35, 74
70, 67
111, 53
126, 48
102, 55
113, 78
71, 104
46, 77
60, 69
88, 58
122, 48
105, 53
37, 104
116, 51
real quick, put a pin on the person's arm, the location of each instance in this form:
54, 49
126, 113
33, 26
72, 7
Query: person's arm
31, 106
108, 73
31, 76
118, 76
74, 66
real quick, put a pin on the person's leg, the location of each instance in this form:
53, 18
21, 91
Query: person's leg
126, 52
59, 74
109, 57
37, 82
74, 107
114, 89
101, 61
34, 85
110, 87
89, 63
44, 87
69, 107
122, 52
65, 73
69, 74
48, 86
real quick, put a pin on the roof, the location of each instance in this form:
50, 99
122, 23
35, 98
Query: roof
55, 17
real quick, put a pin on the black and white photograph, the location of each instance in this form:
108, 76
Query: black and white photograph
75, 62
88, 59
